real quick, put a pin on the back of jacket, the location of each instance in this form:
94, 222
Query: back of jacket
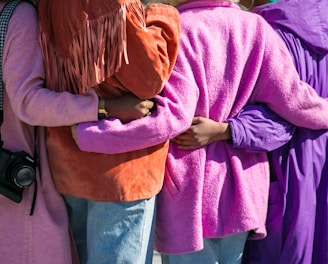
150, 40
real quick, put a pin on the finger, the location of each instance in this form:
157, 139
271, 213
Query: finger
149, 104
188, 147
189, 132
196, 120
188, 137
186, 142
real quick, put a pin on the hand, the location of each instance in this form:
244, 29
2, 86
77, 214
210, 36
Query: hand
203, 131
128, 107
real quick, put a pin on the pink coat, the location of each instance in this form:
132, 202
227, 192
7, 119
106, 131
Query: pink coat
43, 237
217, 190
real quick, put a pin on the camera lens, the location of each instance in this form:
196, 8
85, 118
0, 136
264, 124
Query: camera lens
23, 176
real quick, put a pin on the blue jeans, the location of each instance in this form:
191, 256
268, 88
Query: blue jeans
227, 250
112, 232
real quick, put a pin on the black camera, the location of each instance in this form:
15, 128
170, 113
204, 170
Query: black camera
17, 172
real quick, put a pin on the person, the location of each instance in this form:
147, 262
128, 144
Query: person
296, 223
34, 223
295, 197
215, 197
117, 48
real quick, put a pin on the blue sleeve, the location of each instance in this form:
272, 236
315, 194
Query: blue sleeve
257, 128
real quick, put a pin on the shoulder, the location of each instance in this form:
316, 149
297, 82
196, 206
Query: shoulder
23, 29
23, 22
25, 15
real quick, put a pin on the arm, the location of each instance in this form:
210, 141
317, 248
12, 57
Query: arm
137, 55
151, 52
175, 108
202, 132
279, 86
128, 107
255, 128
23, 75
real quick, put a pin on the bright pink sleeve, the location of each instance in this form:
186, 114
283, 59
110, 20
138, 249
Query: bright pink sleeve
280, 87
175, 110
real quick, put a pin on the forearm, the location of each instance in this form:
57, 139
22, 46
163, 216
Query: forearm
23, 76
42, 107
279, 86
223, 132
173, 116
257, 128
39, 106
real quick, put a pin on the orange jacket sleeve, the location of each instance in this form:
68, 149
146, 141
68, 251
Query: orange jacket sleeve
151, 50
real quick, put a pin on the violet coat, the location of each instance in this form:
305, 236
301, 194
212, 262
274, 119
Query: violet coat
218, 190
42, 238
297, 222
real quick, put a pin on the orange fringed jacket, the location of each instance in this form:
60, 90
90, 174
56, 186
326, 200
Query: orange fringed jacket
114, 47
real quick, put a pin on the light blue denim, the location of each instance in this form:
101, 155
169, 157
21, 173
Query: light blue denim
227, 250
112, 232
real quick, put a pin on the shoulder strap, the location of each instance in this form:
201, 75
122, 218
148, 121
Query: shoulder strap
5, 16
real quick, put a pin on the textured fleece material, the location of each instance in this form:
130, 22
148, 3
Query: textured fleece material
228, 59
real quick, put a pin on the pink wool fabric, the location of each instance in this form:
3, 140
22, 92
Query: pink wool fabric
228, 59
44, 236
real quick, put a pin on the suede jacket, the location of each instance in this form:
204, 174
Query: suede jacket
152, 36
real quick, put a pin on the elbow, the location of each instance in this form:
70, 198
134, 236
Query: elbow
154, 85
151, 86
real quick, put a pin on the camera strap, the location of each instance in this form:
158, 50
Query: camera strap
5, 16
36, 159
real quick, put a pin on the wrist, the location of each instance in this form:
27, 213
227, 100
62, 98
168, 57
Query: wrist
223, 131
102, 112
227, 131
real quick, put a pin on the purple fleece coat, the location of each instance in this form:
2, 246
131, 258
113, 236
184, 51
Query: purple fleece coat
44, 236
228, 59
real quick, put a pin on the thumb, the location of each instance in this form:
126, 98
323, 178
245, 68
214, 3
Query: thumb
74, 132
196, 120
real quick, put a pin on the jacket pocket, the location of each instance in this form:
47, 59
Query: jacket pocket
169, 182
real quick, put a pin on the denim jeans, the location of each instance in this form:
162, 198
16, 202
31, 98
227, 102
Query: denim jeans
227, 250
112, 232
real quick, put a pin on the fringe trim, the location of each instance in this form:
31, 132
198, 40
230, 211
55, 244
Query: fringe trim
96, 53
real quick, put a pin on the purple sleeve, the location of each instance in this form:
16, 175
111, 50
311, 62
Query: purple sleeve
257, 128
